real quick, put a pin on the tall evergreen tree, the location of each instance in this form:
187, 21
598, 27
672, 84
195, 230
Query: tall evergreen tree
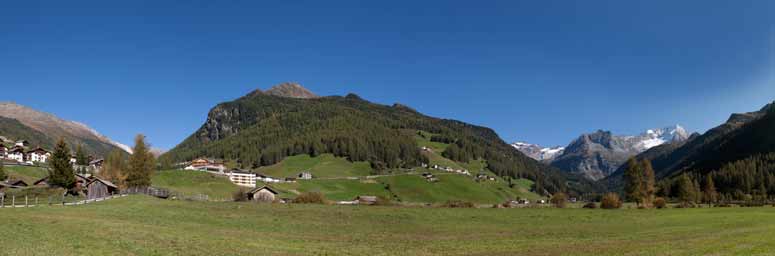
710, 196
61, 173
633, 178
141, 164
81, 158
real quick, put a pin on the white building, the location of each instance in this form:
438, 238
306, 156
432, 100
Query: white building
38, 155
242, 178
17, 154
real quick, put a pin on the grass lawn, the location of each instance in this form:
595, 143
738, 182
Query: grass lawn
337, 190
195, 182
413, 188
323, 166
141, 225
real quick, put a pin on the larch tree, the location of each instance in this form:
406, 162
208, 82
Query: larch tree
61, 173
710, 196
686, 191
114, 169
81, 158
141, 164
647, 182
633, 181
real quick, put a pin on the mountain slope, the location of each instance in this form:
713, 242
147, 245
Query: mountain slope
261, 129
741, 136
54, 128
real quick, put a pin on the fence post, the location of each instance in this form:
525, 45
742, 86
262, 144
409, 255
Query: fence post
36, 200
63, 200
26, 202
2, 202
13, 201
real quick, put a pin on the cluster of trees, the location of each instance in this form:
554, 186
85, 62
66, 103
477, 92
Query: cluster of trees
136, 171
260, 130
751, 180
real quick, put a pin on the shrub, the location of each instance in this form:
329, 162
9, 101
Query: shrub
660, 203
458, 204
310, 198
611, 201
559, 199
240, 195
590, 205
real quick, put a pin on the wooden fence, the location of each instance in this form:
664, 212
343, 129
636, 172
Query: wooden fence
12, 201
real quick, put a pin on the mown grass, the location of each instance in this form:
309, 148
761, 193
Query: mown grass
141, 225
336, 190
413, 188
195, 182
323, 166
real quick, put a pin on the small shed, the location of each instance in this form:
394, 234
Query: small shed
262, 194
367, 200
99, 188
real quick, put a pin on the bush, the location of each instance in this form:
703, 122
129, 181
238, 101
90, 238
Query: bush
559, 199
611, 201
660, 203
240, 195
590, 205
310, 198
458, 204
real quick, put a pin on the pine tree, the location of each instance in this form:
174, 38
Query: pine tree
648, 182
633, 178
710, 195
3, 176
61, 173
81, 158
141, 164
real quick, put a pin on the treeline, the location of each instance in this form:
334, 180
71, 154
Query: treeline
749, 179
260, 130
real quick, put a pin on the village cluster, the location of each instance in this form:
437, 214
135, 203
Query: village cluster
21, 153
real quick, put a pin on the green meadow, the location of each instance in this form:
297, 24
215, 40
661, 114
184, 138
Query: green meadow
139, 225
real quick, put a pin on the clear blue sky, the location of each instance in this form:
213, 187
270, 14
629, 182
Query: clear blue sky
538, 71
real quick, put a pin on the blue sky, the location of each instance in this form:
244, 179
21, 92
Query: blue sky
537, 71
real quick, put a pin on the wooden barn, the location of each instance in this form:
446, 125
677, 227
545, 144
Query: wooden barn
99, 188
262, 194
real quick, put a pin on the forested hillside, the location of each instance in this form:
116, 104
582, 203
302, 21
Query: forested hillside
261, 129
12, 129
744, 140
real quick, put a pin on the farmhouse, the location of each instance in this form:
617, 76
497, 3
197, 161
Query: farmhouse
38, 155
17, 183
96, 164
17, 154
23, 143
99, 188
203, 164
367, 200
305, 175
262, 194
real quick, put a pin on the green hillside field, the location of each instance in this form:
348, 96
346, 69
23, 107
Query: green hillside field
139, 225
323, 166
195, 182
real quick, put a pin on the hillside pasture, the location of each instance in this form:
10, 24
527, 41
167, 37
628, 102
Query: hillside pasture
323, 166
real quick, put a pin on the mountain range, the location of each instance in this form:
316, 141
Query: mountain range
19, 122
597, 155
263, 127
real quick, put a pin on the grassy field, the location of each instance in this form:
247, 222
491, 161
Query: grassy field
323, 166
337, 190
146, 226
194, 182
412, 188
28, 174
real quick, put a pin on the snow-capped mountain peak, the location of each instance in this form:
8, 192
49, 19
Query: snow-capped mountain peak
537, 152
